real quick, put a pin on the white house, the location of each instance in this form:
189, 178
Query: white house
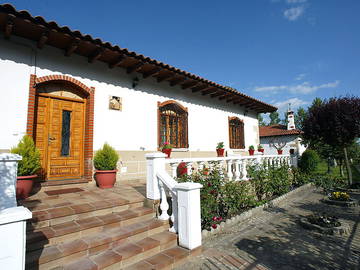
73, 93
287, 138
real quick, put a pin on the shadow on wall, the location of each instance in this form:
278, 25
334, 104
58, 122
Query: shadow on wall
54, 61
286, 245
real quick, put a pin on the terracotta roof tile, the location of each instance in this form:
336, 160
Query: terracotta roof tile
277, 130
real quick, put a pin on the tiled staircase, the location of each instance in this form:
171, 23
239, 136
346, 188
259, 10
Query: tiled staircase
99, 229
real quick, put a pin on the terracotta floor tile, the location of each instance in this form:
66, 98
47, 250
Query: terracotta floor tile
106, 258
40, 235
128, 250
127, 214
138, 227
143, 265
82, 208
87, 223
177, 253
72, 247
49, 254
110, 218
142, 210
160, 261
164, 237
154, 223
97, 240
65, 228
40, 216
101, 204
60, 212
82, 264
148, 243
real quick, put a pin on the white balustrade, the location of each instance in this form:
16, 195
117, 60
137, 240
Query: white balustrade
185, 197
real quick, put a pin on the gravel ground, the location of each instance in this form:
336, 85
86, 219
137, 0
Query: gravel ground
275, 240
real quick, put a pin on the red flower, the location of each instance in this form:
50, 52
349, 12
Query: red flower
209, 185
219, 219
214, 226
214, 218
213, 192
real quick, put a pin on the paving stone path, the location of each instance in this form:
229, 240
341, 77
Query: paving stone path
275, 240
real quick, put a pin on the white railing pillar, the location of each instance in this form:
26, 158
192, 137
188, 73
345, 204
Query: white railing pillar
189, 168
189, 213
229, 169
12, 218
237, 170
164, 206
243, 170
174, 167
155, 162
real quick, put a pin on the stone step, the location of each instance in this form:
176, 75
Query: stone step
60, 213
126, 254
76, 229
94, 244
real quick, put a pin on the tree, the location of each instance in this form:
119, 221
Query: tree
335, 122
261, 120
284, 121
300, 117
274, 118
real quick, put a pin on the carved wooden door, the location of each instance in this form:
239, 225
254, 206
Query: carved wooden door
60, 136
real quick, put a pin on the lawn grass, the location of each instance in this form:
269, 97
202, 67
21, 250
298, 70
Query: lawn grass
335, 171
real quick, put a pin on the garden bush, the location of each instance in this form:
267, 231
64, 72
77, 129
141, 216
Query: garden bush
106, 158
309, 161
30, 163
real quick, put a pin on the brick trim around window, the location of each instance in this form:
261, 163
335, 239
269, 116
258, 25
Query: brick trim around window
89, 114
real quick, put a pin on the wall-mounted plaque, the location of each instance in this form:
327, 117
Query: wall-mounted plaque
115, 103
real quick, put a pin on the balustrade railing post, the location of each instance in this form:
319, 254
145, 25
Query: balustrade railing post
174, 169
201, 165
189, 214
244, 170
229, 169
174, 214
189, 168
164, 206
237, 170
154, 162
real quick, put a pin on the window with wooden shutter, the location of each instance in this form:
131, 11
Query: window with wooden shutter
236, 133
173, 124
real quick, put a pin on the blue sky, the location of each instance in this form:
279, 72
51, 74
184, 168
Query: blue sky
279, 51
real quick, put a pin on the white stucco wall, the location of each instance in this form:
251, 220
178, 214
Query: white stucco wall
133, 128
292, 141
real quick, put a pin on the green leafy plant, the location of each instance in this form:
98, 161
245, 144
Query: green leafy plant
106, 158
309, 161
220, 145
251, 147
167, 146
260, 147
30, 163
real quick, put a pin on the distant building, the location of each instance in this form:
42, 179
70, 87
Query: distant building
280, 136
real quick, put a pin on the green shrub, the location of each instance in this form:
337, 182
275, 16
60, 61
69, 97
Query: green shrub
328, 182
279, 180
106, 158
30, 162
309, 161
299, 178
259, 179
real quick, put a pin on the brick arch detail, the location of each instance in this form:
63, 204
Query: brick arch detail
89, 115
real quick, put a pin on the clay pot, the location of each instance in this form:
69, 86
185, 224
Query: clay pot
251, 152
167, 151
105, 179
280, 152
24, 185
261, 150
220, 152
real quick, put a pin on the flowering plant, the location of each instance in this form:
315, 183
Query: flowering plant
220, 145
167, 146
339, 196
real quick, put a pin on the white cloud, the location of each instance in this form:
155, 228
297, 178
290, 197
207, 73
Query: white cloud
300, 77
303, 88
295, 103
295, 1
294, 13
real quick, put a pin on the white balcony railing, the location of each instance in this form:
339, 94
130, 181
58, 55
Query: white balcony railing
185, 197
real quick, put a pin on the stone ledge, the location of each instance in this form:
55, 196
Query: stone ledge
253, 212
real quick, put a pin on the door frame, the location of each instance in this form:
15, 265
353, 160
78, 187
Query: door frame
89, 93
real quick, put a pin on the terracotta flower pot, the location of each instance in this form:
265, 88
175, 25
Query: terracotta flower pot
24, 185
167, 151
105, 179
220, 152
261, 150
251, 152
280, 152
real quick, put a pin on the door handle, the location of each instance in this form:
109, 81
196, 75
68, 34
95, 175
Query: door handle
51, 139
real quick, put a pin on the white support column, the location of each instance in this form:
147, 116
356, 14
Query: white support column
174, 169
229, 169
8, 175
174, 214
237, 170
243, 170
201, 165
189, 168
189, 214
154, 162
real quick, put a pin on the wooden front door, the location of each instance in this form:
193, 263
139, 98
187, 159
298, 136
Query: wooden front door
59, 135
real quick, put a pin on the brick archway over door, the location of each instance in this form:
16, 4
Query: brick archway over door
89, 114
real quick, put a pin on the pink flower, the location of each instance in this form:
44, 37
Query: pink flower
209, 185
219, 219
214, 218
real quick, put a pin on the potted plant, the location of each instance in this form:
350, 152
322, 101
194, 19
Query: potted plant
280, 151
251, 150
167, 148
105, 161
260, 148
27, 167
278, 145
220, 149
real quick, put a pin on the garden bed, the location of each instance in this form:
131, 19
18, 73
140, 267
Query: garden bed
349, 203
325, 224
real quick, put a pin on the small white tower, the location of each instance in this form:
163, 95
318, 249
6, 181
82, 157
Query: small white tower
290, 119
